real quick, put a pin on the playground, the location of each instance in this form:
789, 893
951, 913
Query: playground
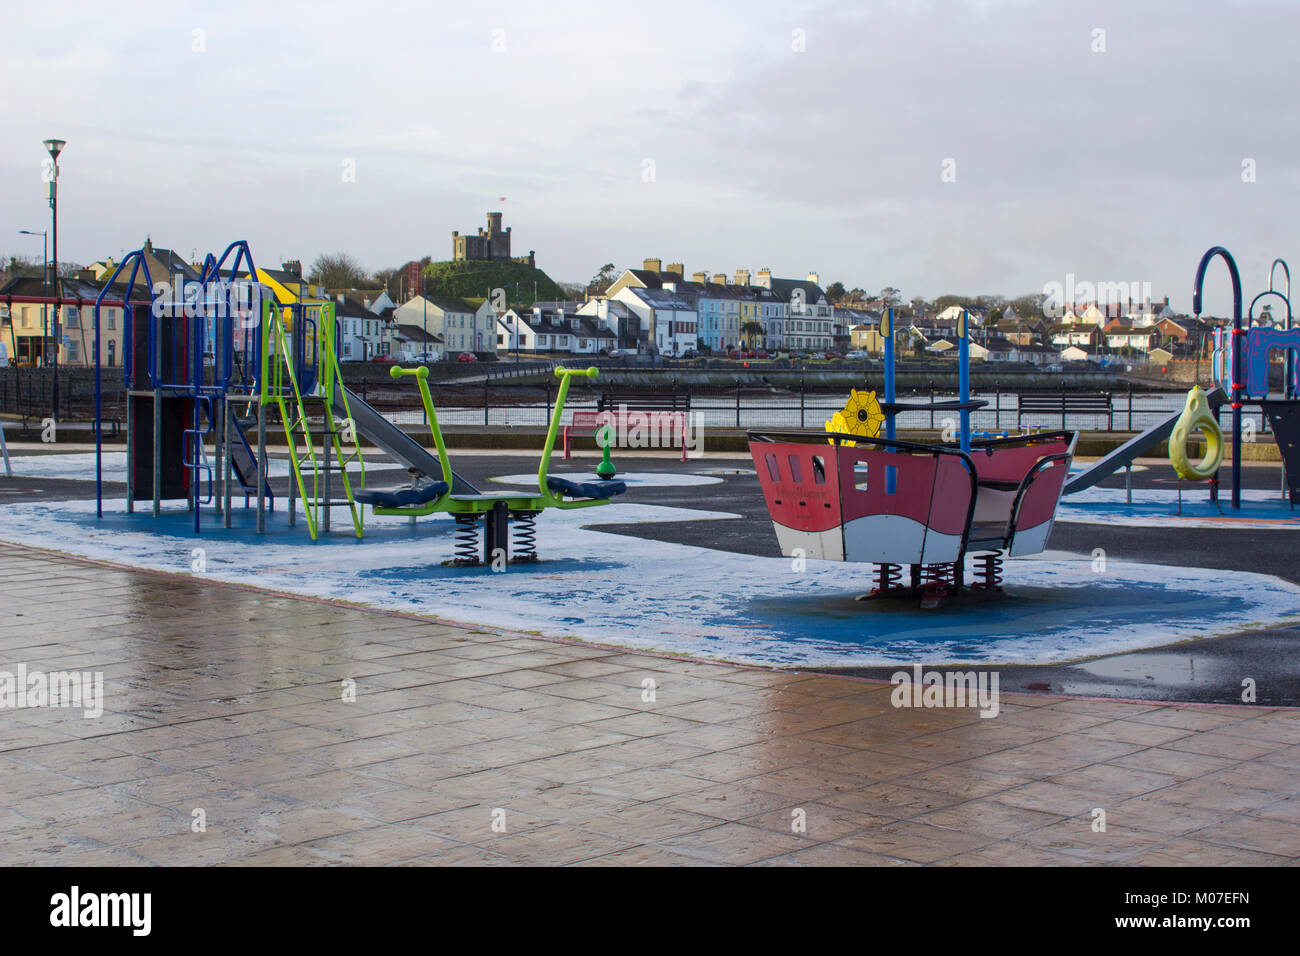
875, 550
638, 658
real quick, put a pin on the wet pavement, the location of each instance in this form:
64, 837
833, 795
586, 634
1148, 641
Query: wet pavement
245, 727
1207, 671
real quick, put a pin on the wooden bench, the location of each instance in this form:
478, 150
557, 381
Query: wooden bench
1065, 403
643, 400
662, 413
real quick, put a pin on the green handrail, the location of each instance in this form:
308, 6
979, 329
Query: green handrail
564, 375
421, 374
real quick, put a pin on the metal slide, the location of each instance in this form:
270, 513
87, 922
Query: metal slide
1134, 448
244, 463
395, 443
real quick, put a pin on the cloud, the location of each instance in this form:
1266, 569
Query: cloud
1123, 164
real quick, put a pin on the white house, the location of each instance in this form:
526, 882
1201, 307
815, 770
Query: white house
558, 327
359, 330
670, 319
514, 334
953, 313
410, 343
462, 326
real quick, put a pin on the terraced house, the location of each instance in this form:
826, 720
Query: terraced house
464, 325
793, 313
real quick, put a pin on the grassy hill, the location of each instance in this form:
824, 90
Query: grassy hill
475, 279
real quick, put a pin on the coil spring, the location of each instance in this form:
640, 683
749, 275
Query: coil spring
989, 568
888, 578
938, 574
523, 536
466, 543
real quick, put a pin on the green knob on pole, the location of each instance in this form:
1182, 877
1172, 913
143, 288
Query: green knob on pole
605, 470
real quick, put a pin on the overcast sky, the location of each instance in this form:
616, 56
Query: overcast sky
796, 136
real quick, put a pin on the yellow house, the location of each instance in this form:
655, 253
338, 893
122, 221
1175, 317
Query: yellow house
290, 288
867, 338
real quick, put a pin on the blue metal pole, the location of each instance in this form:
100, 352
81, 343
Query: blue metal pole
963, 375
1234, 353
99, 440
887, 338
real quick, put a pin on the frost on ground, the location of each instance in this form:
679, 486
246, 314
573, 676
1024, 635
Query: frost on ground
637, 593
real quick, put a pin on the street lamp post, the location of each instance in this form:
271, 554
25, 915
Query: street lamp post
45, 289
54, 147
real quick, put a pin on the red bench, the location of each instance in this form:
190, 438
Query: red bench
657, 423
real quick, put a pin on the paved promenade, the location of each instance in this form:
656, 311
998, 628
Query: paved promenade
226, 738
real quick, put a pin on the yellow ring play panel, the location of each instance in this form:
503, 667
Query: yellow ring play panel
1196, 415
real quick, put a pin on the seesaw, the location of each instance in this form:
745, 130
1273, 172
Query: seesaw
497, 511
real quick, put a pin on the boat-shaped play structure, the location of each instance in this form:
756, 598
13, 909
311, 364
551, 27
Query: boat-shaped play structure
848, 494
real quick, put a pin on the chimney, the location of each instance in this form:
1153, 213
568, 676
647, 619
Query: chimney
293, 267
742, 277
652, 265
719, 278
814, 278
700, 277
676, 267
764, 278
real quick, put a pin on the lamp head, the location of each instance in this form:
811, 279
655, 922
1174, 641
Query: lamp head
55, 146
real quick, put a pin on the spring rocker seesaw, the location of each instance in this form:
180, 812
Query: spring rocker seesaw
848, 494
498, 511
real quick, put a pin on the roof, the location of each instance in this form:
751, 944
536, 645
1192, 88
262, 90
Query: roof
447, 303
347, 308
286, 279
662, 299
413, 333
85, 289
784, 289
174, 263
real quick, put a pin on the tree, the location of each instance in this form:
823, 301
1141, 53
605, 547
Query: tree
835, 292
751, 329
891, 297
337, 271
603, 279
948, 301
1029, 306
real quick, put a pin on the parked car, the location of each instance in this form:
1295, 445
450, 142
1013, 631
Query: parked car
856, 355
466, 357
761, 353
384, 360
